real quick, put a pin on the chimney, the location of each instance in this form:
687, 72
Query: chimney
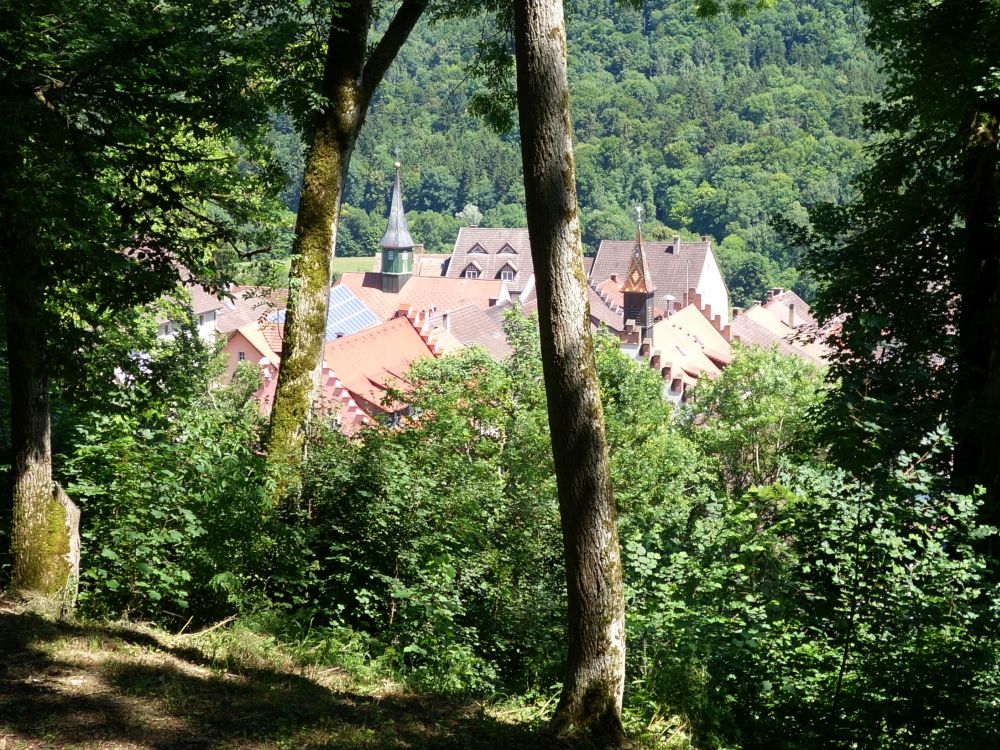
645, 347
791, 316
677, 244
446, 319
654, 361
704, 238
736, 311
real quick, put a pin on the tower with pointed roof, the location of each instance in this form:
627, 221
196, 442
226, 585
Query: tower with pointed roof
397, 245
639, 287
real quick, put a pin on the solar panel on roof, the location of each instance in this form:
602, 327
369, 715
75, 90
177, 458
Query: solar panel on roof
347, 314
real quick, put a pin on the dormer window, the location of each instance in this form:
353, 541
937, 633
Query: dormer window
477, 248
507, 272
471, 271
508, 249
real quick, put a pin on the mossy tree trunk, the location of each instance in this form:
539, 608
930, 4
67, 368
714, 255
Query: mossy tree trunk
591, 700
350, 77
977, 411
44, 521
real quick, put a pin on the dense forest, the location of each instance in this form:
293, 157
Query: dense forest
804, 556
716, 127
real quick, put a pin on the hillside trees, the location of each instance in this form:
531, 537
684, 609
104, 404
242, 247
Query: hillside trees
351, 73
131, 147
591, 699
913, 265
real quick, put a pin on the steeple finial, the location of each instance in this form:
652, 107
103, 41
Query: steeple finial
397, 234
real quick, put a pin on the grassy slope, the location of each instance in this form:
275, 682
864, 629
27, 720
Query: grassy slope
104, 686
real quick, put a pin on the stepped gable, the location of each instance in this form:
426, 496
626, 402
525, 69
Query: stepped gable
424, 293
692, 324
366, 361
604, 310
493, 253
475, 327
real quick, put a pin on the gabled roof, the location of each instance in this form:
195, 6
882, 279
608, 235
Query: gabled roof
759, 327
424, 292
789, 308
475, 327
675, 267
235, 306
500, 245
691, 325
366, 360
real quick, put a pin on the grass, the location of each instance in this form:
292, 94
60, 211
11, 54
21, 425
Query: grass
101, 686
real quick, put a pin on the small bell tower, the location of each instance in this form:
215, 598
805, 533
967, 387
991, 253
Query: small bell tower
397, 245
639, 288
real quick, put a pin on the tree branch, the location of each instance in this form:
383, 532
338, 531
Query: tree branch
388, 46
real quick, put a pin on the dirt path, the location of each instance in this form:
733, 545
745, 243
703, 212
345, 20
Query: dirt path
84, 686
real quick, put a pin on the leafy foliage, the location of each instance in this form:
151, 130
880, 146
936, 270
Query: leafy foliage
166, 473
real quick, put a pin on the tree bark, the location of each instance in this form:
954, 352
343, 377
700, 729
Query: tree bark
591, 699
349, 81
976, 419
45, 523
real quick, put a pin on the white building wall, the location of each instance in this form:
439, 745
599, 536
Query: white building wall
712, 288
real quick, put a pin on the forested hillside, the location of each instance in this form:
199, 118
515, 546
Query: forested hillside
714, 126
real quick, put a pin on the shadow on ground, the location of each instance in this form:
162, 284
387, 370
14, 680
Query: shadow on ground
78, 686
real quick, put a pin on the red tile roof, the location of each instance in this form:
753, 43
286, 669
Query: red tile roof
424, 292
365, 361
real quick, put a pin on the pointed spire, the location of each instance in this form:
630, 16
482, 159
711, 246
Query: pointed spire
638, 278
397, 235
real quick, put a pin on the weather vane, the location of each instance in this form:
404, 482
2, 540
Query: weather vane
638, 213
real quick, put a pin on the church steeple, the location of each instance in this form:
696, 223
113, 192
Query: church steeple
639, 286
397, 245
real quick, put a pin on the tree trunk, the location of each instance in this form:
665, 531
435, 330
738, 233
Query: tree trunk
591, 700
976, 419
45, 522
349, 81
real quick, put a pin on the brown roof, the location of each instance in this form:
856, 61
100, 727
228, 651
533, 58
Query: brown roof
234, 307
674, 271
490, 250
790, 308
424, 292
475, 327
601, 312
760, 327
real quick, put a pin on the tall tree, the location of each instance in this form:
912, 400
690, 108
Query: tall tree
913, 265
352, 72
117, 163
591, 699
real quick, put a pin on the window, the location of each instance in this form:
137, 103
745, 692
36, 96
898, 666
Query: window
390, 254
241, 356
471, 272
507, 248
507, 273
477, 248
